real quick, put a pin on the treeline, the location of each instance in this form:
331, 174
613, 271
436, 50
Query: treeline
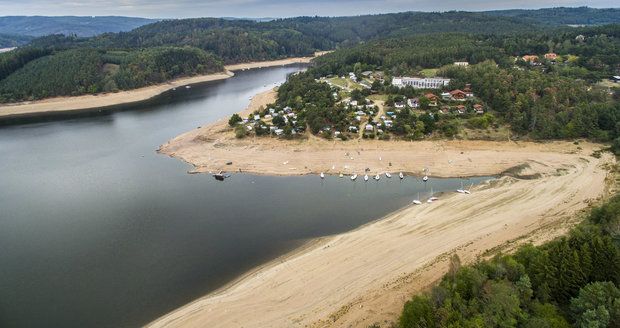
243, 40
89, 71
570, 282
402, 56
564, 15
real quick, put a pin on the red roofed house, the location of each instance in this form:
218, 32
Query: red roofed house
461, 109
468, 91
551, 56
458, 95
432, 99
479, 109
530, 58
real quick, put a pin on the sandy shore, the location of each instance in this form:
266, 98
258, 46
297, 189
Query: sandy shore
364, 276
67, 104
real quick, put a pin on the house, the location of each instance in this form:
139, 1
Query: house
468, 91
616, 78
432, 98
551, 56
479, 109
446, 96
420, 83
530, 59
278, 132
458, 95
399, 105
353, 103
352, 128
413, 103
369, 128
580, 38
461, 63
461, 109
388, 123
256, 117
444, 110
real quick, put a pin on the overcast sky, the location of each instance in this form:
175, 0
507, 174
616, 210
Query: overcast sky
266, 8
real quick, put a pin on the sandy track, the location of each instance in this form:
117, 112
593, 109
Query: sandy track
365, 276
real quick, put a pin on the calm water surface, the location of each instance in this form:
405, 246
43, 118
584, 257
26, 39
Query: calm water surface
97, 230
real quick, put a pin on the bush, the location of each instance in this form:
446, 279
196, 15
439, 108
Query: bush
234, 119
240, 131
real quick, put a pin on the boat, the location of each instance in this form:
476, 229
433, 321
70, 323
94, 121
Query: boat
353, 177
377, 177
221, 176
341, 175
461, 191
467, 191
188, 87
366, 177
401, 175
432, 198
417, 200
388, 175
322, 175
425, 178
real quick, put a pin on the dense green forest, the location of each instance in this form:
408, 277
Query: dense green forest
92, 71
565, 16
570, 282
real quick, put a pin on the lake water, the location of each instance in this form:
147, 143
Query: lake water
98, 230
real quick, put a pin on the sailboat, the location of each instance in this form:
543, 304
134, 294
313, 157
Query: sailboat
401, 175
417, 200
377, 177
467, 191
432, 198
366, 177
322, 175
462, 190
388, 175
353, 177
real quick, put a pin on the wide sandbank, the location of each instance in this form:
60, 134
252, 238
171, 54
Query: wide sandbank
365, 276
90, 102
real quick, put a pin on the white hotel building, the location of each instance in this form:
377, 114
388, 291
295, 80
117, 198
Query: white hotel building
420, 83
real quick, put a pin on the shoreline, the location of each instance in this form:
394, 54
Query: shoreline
365, 275
63, 105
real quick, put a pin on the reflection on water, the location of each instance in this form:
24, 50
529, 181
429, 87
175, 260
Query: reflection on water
97, 230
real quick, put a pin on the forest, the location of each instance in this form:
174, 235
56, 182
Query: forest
572, 281
89, 71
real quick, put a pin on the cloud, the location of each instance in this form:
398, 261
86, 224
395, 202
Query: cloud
265, 8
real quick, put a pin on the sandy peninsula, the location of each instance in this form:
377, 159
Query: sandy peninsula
86, 102
365, 276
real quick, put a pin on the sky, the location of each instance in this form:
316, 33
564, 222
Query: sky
267, 8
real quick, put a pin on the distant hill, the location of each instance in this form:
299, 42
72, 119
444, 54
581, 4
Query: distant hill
68, 25
10, 40
564, 15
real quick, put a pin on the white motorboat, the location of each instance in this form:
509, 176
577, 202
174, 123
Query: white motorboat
353, 177
417, 200
377, 177
366, 177
388, 175
401, 175
425, 178
322, 175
